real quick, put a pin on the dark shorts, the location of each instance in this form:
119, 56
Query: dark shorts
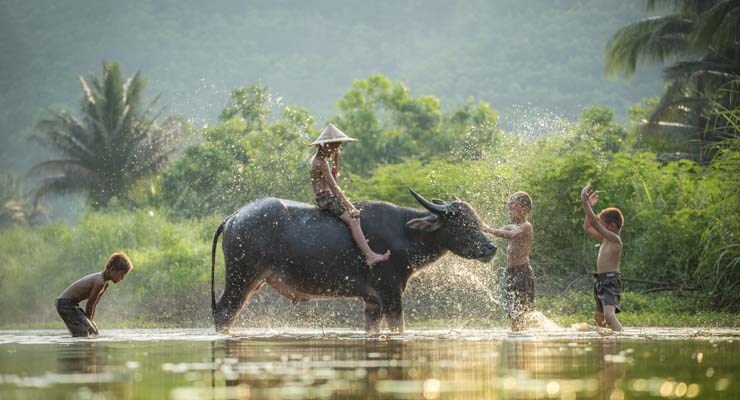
75, 319
331, 204
518, 290
608, 291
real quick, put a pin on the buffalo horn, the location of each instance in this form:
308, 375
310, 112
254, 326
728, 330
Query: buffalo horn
435, 208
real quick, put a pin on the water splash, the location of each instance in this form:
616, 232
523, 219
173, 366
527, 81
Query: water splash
532, 122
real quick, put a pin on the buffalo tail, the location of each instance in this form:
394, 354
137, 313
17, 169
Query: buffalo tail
213, 265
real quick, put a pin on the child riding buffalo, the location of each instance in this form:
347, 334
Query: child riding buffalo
329, 197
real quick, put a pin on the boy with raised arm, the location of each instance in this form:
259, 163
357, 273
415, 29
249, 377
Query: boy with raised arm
519, 278
329, 197
605, 228
91, 288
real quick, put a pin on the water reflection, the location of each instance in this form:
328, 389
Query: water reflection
79, 358
520, 369
417, 365
84, 367
612, 364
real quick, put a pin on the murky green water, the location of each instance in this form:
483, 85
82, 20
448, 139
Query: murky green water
303, 364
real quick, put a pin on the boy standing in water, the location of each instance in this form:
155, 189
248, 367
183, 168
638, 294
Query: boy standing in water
519, 278
90, 288
608, 287
329, 197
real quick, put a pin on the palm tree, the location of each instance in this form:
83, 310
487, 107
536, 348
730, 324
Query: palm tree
16, 208
700, 40
106, 150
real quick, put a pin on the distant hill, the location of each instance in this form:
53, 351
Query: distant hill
543, 54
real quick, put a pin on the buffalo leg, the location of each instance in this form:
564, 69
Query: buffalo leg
393, 312
372, 314
241, 282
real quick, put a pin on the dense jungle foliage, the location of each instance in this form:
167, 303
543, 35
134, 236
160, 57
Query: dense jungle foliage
680, 230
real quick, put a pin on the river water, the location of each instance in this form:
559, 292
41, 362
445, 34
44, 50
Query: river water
340, 364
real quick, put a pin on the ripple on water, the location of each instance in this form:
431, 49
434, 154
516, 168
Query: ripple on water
578, 333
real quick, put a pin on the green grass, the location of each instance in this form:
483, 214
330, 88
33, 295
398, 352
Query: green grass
666, 309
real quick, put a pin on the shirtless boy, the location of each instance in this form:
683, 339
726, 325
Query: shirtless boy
605, 228
519, 277
90, 288
329, 197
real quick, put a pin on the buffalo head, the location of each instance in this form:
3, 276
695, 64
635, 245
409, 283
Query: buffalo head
457, 226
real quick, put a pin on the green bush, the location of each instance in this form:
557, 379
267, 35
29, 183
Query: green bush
170, 283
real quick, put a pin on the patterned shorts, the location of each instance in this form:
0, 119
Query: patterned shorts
331, 204
75, 319
608, 291
518, 290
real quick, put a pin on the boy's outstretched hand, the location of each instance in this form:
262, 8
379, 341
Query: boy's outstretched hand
587, 195
593, 198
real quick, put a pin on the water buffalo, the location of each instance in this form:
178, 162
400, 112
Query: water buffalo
305, 254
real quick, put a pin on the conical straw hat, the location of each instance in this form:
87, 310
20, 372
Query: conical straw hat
331, 134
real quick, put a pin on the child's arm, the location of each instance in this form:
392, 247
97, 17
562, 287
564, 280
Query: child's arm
335, 165
92, 301
593, 198
590, 231
593, 221
335, 188
508, 232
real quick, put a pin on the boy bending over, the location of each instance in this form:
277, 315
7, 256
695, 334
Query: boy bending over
519, 277
90, 288
605, 228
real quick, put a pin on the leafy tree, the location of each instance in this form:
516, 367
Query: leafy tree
393, 126
253, 103
112, 145
700, 40
597, 124
243, 158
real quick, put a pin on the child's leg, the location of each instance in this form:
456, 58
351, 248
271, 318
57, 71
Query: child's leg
611, 318
75, 319
518, 323
371, 257
520, 289
600, 320
599, 316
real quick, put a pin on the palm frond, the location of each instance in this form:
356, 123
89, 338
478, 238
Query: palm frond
133, 90
686, 69
58, 185
650, 40
667, 105
114, 95
719, 27
53, 168
65, 133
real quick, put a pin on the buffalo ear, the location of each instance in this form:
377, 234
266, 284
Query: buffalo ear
438, 201
429, 223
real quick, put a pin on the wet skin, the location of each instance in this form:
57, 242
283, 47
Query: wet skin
91, 288
323, 182
610, 250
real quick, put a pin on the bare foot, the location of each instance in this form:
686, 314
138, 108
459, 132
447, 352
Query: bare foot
375, 258
605, 331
